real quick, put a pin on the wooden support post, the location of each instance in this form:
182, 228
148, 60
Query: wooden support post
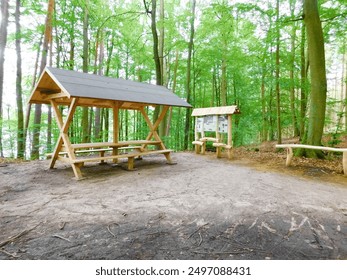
289, 156
219, 151
131, 163
218, 148
115, 129
217, 129
230, 138
203, 148
344, 163
196, 136
102, 154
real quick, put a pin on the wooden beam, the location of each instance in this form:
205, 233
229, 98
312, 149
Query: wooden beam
115, 129
64, 137
51, 96
48, 90
230, 134
153, 127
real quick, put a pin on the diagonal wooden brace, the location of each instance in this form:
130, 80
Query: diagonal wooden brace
153, 130
64, 137
153, 127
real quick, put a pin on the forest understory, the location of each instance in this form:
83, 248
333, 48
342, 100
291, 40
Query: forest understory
266, 157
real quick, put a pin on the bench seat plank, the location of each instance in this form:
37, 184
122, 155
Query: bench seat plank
112, 144
130, 155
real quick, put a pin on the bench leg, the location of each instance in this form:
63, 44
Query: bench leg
289, 156
219, 152
203, 148
344, 163
169, 159
197, 149
102, 154
77, 171
114, 153
130, 163
230, 153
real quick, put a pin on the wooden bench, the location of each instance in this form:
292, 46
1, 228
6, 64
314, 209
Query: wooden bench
103, 147
290, 154
218, 145
200, 144
138, 147
130, 156
101, 151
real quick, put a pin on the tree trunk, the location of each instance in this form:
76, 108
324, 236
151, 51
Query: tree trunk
45, 48
278, 94
156, 56
316, 56
84, 121
292, 71
346, 97
158, 70
223, 86
98, 70
20, 115
3, 41
163, 124
303, 83
174, 82
188, 87
264, 132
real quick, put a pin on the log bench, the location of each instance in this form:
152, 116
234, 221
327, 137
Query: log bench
200, 146
290, 154
219, 147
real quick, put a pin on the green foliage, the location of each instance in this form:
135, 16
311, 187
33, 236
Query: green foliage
242, 36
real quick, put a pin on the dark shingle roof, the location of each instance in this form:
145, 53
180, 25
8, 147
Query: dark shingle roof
89, 86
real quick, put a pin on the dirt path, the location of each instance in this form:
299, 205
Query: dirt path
201, 208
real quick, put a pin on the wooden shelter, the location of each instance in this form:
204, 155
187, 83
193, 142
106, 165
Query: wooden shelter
216, 120
70, 88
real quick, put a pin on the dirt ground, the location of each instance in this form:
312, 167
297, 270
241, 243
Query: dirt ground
251, 207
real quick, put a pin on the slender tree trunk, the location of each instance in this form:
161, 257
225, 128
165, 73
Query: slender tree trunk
263, 107
38, 110
223, 86
303, 82
98, 70
3, 41
188, 78
345, 78
316, 56
84, 121
158, 71
20, 115
156, 55
163, 124
292, 71
33, 82
174, 82
278, 94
